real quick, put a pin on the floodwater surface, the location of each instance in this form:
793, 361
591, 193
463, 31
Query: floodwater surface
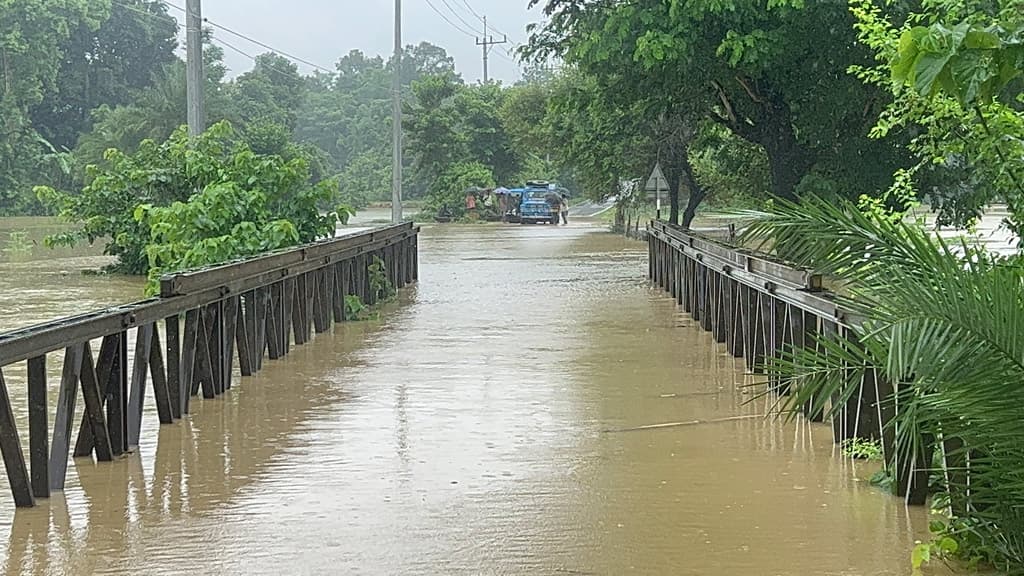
481, 426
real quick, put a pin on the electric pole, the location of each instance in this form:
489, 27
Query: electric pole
194, 66
396, 121
486, 42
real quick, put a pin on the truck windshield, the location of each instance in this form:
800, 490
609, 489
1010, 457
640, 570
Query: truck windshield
537, 194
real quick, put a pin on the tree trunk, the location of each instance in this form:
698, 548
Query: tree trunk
771, 127
697, 192
672, 169
673, 196
788, 161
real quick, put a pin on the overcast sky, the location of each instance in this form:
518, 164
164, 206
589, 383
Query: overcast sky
321, 31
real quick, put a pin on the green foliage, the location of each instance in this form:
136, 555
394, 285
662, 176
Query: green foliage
222, 222
861, 449
944, 322
348, 115
106, 65
366, 178
451, 126
380, 284
354, 307
189, 202
953, 69
153, 112
84, 76
34, 35
270, 93
959, 539
448, 192
969, 62
432, 126
734, 171
884, 479
773, 75
602, 140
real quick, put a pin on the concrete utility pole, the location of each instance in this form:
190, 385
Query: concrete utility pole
194, 66
487, 42
396, 121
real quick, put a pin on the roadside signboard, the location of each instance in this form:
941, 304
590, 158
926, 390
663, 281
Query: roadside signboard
656, 185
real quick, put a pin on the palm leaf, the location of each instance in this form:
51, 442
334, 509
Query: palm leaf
942, 320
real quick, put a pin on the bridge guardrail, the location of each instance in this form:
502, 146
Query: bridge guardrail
244, 309
759, 306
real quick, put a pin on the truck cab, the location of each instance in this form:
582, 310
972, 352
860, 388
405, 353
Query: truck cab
539, 203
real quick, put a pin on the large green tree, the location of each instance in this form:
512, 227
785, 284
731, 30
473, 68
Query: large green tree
348, 115
106, 65
954, 70
155, 111
774, 75
271, 92
34, 35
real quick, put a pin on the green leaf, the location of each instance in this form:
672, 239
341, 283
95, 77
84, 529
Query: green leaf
948, 545
140, 211
921, 554
906, 56
969, 71
926, 70
981, 40
957, 36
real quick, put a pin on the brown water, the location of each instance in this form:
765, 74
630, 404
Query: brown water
470, 431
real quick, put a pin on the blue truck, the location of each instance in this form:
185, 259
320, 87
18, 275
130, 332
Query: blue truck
539, 203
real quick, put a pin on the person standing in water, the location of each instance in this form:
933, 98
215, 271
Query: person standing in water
563, 208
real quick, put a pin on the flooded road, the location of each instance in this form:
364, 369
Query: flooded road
474, 429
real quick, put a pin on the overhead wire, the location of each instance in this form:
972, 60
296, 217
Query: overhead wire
250, 56
256, 42
481, 18
457, 15
507, 56
448, 20
464, 31
300, 60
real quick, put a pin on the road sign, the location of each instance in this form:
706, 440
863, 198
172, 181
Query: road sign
657, 184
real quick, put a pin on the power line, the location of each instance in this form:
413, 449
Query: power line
473, 12
457, 15
247, 55
481, 18
506, 58
448, 20
258, 43
268, 47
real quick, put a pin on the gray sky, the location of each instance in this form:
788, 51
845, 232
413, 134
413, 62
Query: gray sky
321, 31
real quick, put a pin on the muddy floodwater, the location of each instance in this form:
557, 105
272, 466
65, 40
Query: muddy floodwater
477, 428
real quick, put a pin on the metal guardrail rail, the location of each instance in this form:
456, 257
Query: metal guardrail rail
794, 285
242, 310
760, 306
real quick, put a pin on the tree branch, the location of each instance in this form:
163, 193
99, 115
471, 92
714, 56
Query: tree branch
725, 101
749, 91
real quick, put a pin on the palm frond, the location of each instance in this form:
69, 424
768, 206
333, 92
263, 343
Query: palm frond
942, 320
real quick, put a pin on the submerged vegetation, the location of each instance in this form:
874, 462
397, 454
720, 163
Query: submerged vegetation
861, 449
381, 288
192, 202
